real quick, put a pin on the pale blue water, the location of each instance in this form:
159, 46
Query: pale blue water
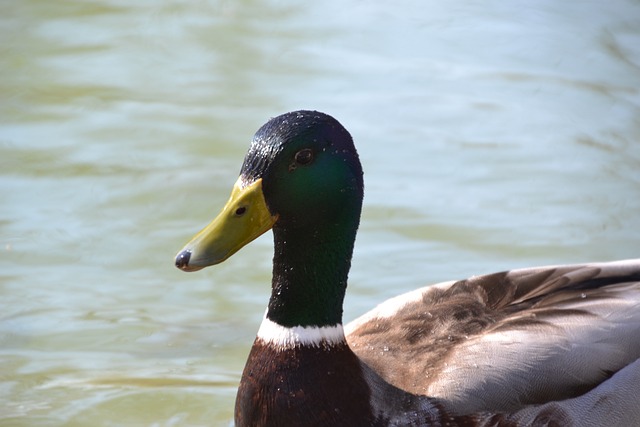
493, 135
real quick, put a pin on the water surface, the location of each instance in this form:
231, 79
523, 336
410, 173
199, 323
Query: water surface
493, 135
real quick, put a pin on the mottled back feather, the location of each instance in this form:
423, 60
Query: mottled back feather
502, 341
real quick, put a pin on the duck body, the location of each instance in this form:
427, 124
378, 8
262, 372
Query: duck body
515, 344
556, 345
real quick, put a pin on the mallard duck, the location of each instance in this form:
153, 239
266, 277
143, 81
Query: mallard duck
553, 345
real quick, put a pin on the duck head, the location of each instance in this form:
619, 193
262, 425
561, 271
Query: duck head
301, 176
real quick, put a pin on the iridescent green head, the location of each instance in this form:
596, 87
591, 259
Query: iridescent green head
302, 171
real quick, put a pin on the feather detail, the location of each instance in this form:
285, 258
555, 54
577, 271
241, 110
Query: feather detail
501, 341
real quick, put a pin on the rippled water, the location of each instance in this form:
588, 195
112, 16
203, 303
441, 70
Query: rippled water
493, 134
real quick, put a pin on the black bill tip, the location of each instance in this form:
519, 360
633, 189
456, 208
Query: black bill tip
182, 260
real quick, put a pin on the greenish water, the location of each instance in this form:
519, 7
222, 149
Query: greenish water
493, 135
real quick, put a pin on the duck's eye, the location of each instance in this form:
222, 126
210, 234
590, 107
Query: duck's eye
304, 157
240, 211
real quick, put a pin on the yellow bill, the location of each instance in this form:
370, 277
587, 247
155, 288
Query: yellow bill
244, 218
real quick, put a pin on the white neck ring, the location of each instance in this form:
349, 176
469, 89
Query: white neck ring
284, 338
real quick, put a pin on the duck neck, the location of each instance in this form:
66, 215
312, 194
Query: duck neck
310, 269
